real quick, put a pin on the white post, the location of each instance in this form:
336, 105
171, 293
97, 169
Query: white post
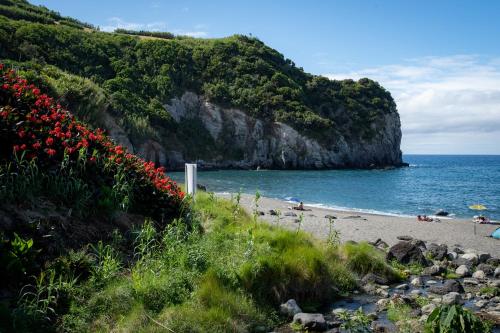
190, 178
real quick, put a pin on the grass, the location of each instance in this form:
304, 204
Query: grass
407, 270
225, 273
490, 291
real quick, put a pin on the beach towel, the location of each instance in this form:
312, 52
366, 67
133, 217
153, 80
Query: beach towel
496, 234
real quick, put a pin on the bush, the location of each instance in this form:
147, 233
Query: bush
455, 318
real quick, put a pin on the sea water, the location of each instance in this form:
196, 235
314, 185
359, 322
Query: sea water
430, 183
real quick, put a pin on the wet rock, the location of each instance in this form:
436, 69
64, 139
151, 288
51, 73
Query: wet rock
403, 286
451, 298
430, 282
497, 272
479, 275
417, 282
406, 253
416, 292
437, 251
385, 326
433, 270
462, 271
487, 269
441, 212
374, 278
311, 321
290, 308
427, 309
447, 287
483, 257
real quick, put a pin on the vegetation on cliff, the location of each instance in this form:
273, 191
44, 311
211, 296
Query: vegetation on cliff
140, 72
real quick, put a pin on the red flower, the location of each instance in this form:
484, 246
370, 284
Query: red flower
50, 151
49, 141
37, 145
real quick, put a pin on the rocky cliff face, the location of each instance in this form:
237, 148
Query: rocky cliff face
271, 145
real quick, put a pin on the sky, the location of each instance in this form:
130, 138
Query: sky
439, 59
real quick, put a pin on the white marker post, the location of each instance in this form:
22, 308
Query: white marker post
190, 178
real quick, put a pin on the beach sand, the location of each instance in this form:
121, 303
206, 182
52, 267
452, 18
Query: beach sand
369, 227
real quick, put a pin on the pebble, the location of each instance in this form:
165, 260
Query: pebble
497, 272
479, 275
472, 282
462, 270
416, 292
430, 282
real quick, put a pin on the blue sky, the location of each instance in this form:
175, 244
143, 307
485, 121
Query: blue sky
439, 59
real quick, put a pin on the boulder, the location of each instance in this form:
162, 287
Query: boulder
479, 275
441, 212
462, 271
487, 269
427, 309
447, 287
452, 255
290, 308
328, 216
495, 262
311, 321
419, 243
483, 257
437, 251
433, 270
374, 278
406, 253
471, 257
462, 261
451, 298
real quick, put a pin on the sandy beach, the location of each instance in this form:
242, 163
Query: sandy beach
362, 226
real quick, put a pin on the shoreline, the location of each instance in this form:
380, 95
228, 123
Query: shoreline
362, 226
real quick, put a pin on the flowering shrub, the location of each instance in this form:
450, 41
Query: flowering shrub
34, 127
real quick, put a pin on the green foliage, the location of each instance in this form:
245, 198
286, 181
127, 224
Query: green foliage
455, 318
490, 291
356, 322
363, 258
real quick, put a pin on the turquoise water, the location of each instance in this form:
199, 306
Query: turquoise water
431, 182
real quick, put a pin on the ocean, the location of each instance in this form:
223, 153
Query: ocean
431, 182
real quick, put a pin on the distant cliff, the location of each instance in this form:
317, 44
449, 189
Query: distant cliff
225, 103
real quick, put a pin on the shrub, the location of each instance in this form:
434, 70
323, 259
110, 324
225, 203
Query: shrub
455, 318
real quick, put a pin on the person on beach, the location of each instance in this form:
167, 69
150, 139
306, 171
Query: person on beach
300, 206
424, 218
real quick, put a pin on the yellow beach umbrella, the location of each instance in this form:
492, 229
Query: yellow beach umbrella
478, 207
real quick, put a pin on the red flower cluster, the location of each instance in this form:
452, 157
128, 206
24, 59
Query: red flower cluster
48, 133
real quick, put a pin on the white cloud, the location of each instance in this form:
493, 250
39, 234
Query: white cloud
118, 23
447, 104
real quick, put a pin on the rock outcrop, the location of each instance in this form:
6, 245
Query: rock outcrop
256, 143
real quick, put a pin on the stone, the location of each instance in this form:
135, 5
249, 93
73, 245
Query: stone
311, 321
497, 272
328, 216
471, 257
495, 262
430, 282
458, 250
382, 304
384, 326
273, 212
462, 261
471, 282
479, 275
481, 303
291, 214
405, 238
494, 283
379, 243
403, 286
416, 292
406, 253
374, 278
446, 287
417, 282
419, 243
427, 309
451, 298
492, 316
290, 308
437, 251
487, 269
433, 270
462, 271
441, 212
483, 257
261, 213
452, 256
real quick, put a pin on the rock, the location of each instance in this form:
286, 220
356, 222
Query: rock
328, 216
427, 309
430, 282
433, 270
441, 212
462, 271
471, 282
481, 303
417, 282
383, 293
290, 308
447, 287
273, 212
201, 187
437, 252
405, 238
261, 213
487, 269
311, 321
494, 283
479, 275
451, 298
379, 243
292, 214
416, 292
458, 250
497, 272
385, 326
483, 257
419, 243
382, 304
471, 257
452, 255
406, 253
495, 262
403, 286
462, 261
492, 316
374, 278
